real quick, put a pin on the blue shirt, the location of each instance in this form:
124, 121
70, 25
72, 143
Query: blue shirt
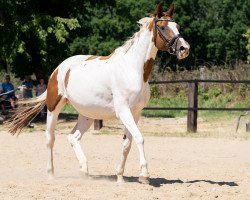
8, 87
28, 93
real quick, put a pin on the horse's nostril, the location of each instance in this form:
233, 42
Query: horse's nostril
182, 48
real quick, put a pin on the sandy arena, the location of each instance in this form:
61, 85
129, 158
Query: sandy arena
180, 167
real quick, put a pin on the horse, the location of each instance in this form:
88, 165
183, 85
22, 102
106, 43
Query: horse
105, 87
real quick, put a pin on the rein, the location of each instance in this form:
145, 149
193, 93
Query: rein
169, 44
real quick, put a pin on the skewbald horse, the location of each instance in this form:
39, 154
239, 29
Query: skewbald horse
104, 87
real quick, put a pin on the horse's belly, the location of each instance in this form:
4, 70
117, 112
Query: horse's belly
94, 111
93, 104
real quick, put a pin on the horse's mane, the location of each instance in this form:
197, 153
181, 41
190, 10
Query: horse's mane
143, 23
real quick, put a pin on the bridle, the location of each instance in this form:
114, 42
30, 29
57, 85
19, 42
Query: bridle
172, 49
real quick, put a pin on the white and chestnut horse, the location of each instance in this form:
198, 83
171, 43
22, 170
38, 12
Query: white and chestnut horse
104, 87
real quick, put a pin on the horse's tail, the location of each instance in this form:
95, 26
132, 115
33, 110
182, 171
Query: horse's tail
26, 111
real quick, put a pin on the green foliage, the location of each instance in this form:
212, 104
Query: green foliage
169, 100
69, 109
33, 40
155, 91
106, 27
37, 35
214, 30
209, 94
214, 97
247, 35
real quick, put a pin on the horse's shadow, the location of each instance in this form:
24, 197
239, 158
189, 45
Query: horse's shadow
158, 182
220, 183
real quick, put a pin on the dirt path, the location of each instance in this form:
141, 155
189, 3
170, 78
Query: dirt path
180, 168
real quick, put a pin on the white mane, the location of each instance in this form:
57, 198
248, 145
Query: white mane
143, 24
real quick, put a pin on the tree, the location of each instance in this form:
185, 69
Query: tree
31, 35
108, 25
36, 35
214, 29
247, 35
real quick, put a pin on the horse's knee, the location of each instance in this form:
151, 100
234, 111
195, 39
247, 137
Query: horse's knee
139, 140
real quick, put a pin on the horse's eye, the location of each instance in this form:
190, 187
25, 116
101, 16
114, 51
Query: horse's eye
163, 28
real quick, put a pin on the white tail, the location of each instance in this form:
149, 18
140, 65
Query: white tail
26, 111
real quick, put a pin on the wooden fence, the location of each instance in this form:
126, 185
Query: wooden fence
192, 101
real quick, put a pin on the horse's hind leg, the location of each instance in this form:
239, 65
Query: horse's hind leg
50, 135
74, 138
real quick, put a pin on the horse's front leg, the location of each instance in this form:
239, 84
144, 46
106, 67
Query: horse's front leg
127, 119
125, 150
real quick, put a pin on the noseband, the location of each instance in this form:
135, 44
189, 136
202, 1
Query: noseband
169, 44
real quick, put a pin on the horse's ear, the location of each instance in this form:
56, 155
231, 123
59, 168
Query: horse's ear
170, 11
158, 11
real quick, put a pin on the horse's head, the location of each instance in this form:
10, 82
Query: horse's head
166, 34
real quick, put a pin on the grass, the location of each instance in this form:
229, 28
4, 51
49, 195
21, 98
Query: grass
207, 98
167, 101
68, 109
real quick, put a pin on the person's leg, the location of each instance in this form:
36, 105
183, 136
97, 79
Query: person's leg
2, 106
12, 103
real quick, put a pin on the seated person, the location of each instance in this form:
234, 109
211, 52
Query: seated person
2, 99
8, 88
27, 92
41, 87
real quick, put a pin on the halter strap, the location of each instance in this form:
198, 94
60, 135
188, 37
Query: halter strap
169, 44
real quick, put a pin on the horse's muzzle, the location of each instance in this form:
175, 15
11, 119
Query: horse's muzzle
182, 49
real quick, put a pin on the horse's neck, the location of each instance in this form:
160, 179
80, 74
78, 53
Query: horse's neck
142, 50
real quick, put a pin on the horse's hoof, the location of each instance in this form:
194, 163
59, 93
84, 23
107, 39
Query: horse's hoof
51, 177
84, 174
144, 180
120, 179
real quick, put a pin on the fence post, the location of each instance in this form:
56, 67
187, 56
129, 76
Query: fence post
192, 103
98, 124
248, 127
